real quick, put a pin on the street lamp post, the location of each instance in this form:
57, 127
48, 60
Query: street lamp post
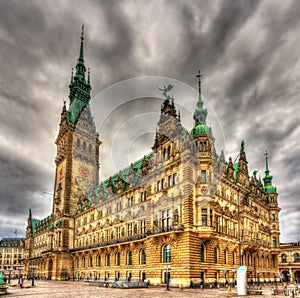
33, 267
168, 275
19, 274
9, 273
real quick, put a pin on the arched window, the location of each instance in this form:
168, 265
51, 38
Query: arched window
108, 260
129, 258
283, 258
225, 256
84, 145
233, 258
143, 257
296, 257
204, 146
99, 261
78, 143
200, 147
91, 262
167, 253
118, 259
90, 148
83, 262
202, 253
216, 255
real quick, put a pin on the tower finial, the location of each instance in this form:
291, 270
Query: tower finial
199, 75
82, 33
88, 80
200, 113
267, 166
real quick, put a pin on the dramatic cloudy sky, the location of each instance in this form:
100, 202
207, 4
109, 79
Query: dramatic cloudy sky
248, 52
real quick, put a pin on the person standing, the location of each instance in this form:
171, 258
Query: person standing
21, 282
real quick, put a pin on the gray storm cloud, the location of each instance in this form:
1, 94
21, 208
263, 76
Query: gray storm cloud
248, 52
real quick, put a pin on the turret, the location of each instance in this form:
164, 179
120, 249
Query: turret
268, 187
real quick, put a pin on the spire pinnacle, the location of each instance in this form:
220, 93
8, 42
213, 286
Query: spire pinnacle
267, 166
199, 75
82, 33
200, 113
269, 188
80, 67
88, 80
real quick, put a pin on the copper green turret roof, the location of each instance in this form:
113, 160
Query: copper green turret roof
80, 88
200, 114
269, 188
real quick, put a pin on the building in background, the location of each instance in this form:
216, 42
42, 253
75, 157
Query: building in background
182, 209
11, 255
289, 262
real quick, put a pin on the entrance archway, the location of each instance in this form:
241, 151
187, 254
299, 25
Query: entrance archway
297, 276
285, 276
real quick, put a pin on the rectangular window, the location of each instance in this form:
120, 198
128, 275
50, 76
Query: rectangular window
158, 186
143, 226
143, 196
274, 242
166, 219
131, 202
204, 217
163, 183
203, 176
129, 229
174, 178
118, 232
170, 181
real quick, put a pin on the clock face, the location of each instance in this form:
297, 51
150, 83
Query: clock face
84, 171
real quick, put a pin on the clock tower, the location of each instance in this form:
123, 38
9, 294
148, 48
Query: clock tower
77, 159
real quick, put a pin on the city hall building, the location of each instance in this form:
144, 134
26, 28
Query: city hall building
183, 208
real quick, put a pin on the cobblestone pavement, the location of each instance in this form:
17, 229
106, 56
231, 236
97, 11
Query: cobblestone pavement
55, 289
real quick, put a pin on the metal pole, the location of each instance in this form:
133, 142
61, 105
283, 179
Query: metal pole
32, 278
19, 276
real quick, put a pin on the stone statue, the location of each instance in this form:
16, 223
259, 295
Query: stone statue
165, 91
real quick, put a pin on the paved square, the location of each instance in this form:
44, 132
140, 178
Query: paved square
55, 289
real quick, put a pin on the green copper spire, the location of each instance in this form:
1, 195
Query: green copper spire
80, 67
80, 88
269, 188
200, 113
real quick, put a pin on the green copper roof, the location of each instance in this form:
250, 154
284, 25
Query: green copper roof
136, 167
35, 223
200, 129
269, 188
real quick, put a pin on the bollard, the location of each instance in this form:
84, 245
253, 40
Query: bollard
181, 287
229, 288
